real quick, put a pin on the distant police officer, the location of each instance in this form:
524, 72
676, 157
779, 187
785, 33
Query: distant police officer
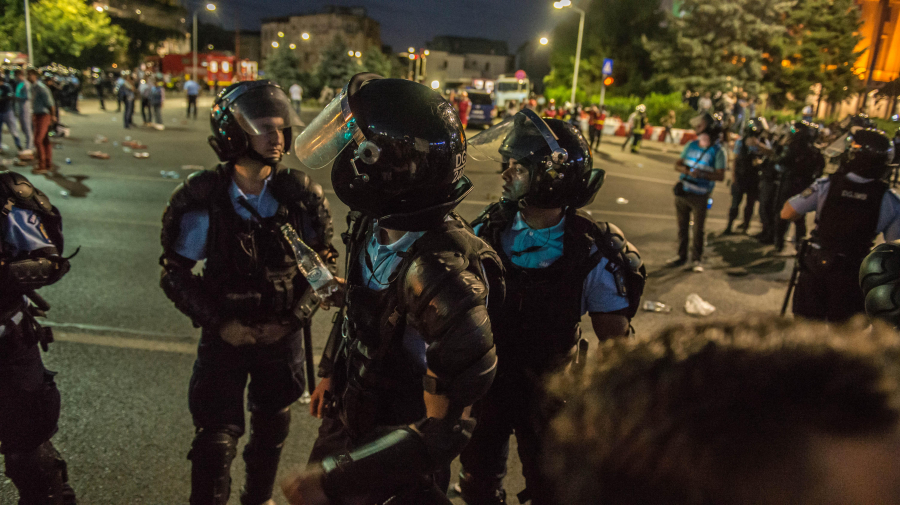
250, 299
702, 163
417, 349
31, 246
801, 163
749, 151
560, 263
852, 207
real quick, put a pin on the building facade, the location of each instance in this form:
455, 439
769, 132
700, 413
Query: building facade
465, 60
308, 34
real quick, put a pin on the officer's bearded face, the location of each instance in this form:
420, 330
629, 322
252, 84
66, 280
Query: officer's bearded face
270, 143
516, 180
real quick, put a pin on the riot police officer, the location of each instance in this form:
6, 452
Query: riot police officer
749, 151
250, 300
31, 247
547, 246
417, 348
852, 207
801, 163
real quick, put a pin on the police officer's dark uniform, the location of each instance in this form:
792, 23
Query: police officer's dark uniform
251, 278
416, 331
801, 163
31, 246
852, 207
554, 275
749, 152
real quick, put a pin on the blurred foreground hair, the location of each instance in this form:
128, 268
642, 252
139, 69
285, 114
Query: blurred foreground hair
720, 412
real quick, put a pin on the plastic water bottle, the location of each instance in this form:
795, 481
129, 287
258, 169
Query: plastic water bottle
709, 204
310, 264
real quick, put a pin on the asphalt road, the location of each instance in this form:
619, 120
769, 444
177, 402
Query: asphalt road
124, 353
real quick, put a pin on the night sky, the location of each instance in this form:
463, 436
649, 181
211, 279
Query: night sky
414, 22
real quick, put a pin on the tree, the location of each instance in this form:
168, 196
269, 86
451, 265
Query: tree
613, 29
718, 44
63, 31
818, 48
379, 63
336, 67
283, 67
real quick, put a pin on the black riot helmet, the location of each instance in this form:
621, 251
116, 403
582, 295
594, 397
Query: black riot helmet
399, 151
555, 153
869, 155
804, 132
755, 127
250, 108
710, 124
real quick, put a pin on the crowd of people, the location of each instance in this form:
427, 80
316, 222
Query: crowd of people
446, 343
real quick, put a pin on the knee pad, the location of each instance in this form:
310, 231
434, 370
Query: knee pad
39, 474
214, 447
270, 429
211, 455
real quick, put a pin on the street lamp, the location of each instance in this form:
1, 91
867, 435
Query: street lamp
304, 36
544, 41
28, 34
209, 7
561, 4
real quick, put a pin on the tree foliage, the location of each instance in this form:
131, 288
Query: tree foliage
283, 67
375, 61
336, 67
718, 44
68, 32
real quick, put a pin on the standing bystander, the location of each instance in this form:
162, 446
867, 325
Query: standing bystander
192, 89
296, 96
43, 112
7, 116
23, 109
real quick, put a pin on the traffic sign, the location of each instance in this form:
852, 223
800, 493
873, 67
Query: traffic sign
607, 66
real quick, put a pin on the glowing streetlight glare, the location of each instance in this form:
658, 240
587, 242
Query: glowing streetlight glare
412, 56
350, 53
435, 85
210, 7
562, 3
304, 36
411, 49
99, 8
275, 45
281, 34
544, 41
137, 11
293, 46
426, 52
357, 54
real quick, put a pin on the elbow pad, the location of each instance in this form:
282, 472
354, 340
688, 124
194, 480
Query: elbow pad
185, 291
398, 457
33, 273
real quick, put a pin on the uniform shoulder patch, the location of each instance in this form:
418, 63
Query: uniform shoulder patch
807, 192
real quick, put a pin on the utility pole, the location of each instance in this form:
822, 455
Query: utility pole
28, 34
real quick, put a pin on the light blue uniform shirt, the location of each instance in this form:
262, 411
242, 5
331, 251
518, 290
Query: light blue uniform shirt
813, 198
21, 233
191, 242
599, 293
704, 160
191, 88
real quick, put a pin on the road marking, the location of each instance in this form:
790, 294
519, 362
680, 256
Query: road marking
93, 327
641, 178
155, 224
126, 343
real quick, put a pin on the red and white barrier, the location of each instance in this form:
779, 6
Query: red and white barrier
680, 136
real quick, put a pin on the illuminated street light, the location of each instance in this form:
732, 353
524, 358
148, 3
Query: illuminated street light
350, 53
275, 44
426, 53
435, 84
412, 56
544, 41
304, 36
99, 8
411, 49
137, 11
210, 7
293, 46
281, 34
357, 54
568, 3
210, 47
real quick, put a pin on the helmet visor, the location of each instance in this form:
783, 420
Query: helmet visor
264, 109
328, 134
518, 137
839, 146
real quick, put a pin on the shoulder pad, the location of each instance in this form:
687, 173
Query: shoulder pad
16, 186
196, 191
291, 186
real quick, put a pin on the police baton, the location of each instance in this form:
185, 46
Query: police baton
307, 349
801, 252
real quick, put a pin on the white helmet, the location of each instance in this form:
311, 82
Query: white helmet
641, 108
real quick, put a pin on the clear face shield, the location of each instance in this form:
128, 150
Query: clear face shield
262, 110
328, 135
518, 137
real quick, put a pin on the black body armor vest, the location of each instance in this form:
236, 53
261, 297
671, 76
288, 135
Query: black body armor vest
250, 271
849, 217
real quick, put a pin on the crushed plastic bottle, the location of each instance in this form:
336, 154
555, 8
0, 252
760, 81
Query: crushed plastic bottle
651, 306
696, 306
64, 194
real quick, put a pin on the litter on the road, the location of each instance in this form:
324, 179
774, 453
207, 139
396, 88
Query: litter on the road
621, 201
651, 306
100, 139
144, 154
169, 174
100, 155
193, 168
127, 138
696, 306
64, 194
126, 149
68, 161
115, 144
134, 144
159, 127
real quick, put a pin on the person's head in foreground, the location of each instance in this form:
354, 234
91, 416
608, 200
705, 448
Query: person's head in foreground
759, 410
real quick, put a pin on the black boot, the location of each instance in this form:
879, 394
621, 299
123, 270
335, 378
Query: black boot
475, 491
40, 476
268, 432
211, 455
